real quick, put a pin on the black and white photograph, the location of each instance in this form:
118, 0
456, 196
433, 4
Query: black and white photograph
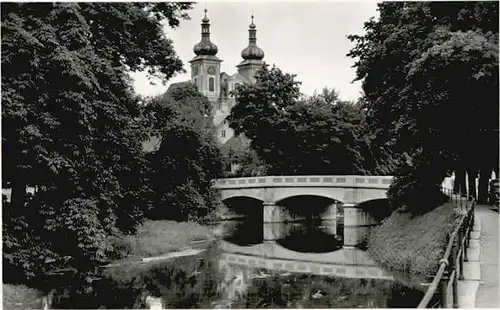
250, 154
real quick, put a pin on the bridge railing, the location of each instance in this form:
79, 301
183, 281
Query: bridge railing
305, 180
443, 291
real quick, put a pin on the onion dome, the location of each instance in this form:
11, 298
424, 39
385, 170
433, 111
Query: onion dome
252, 51
205, 46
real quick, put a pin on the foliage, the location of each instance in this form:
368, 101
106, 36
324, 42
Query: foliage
412, 245
72, 128
239, 156
188, 157
250, 164
260, 114
430, 78
417, 184
293, 134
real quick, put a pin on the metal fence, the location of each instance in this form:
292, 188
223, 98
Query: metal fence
443, 291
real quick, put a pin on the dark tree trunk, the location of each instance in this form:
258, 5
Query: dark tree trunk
472, 175
484, 177
18, 194
460, 186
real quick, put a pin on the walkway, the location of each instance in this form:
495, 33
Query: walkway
488, 294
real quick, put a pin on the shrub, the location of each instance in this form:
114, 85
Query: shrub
417, 184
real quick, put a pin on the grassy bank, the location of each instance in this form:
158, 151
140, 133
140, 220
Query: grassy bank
21, 297
127, 282
412, 246
159, 237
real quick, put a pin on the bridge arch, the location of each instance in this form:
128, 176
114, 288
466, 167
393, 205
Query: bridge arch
307, 206
316, 196
254, 193
243, 206
332, 193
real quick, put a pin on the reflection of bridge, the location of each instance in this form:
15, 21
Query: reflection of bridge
351, 191
349, 263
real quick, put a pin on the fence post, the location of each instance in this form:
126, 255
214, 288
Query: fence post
443, 284
466, 235
462, 245
453, 267
444, 289
471, 222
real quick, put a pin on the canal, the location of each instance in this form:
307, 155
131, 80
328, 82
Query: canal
309, 267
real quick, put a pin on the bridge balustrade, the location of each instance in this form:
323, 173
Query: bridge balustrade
277, 181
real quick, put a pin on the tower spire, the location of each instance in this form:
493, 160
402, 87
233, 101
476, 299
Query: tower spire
205, 47
252, 51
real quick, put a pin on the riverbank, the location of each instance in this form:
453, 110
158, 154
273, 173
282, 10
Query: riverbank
21, 297
412, 245
154, 243
160, 237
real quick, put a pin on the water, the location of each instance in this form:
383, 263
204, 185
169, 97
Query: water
306, 268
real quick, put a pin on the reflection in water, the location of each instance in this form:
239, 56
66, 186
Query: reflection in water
304, 269
243, 232
310, 291
262, 280
314, 236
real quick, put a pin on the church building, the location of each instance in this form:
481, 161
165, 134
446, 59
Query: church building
216, 85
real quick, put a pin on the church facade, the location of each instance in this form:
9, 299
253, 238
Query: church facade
216, 85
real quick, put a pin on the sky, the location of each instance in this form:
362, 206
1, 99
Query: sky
308, 39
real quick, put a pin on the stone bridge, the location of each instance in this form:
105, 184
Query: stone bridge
349, 190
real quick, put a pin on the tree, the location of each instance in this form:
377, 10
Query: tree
293, 134
72, 128
430, 77
188, 157
260, 112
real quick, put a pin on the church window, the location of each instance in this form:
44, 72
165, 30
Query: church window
211, 84
223, 133
219, 105
236, 85
196, 81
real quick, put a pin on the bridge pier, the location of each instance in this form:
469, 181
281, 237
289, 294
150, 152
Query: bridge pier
330, 226
273, 218
274, 213
330, 212
357, 225
275, 231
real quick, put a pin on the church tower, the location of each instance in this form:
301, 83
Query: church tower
205, 66
252, 56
